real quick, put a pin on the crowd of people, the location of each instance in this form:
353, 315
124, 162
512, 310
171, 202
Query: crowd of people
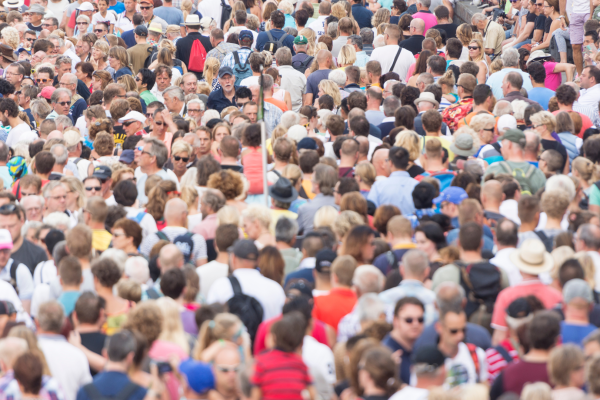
430, 227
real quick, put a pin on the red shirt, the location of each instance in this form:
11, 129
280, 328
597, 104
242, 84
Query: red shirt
265, 327
333, 307
280, 375
495, 360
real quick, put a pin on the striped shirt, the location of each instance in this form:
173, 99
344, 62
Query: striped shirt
496, 362
281, 375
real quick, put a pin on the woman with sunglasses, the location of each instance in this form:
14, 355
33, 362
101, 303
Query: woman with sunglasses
476, 54
553, 22
180, 156
119, 61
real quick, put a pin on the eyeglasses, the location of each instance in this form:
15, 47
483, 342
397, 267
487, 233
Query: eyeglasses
96, 188
127, 123
194, 110
184, 159
489, 130
227, 368
139, 148
82, 23
63, 103
11, 73
137, 79
410, 320
145, 8
98, 30
473, 47
8, 209
118, 234
455, 331
30, 39
148, 115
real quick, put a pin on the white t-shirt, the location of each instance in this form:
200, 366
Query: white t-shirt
44, 272
319, 26
23, 278
111, 17
141, 182
147, 223
21, 133
249, 81
386, 54
58, 9
209, 273
411, 393
82, 166
123, 22
461, 369
321, 365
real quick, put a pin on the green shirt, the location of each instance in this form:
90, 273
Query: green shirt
148, 97
536, 181
596, 13
595, 196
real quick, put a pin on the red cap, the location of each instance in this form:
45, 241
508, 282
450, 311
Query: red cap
47, 92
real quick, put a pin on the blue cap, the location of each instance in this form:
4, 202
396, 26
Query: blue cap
127, 156
23, 49
245, 34
308, 144
453, 194
199, 375
225, 71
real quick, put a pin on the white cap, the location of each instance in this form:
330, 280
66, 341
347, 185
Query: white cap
87, 6
71, 138
6, 241
297, 133
133, 115
505, 122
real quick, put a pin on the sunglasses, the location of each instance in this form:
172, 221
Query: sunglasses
82, 23
410, 320
227, 368
159, 123
8, 209
145, 8
455, 331
473, 47
64, 103
96, 188
98, 30
127, 123
137, 79
139, 148
177, 158
149, 115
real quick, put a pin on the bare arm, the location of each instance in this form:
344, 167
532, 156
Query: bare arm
498, 336
256, 394
201, 261
525, 32
546, 43
568, 69
449, 7
308, 99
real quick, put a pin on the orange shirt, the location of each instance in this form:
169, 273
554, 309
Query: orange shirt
278, 103
467, 120
331, 308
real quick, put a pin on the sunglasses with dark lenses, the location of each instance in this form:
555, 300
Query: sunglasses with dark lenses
455, 331
145, 8
8, 209
82, 23
127, 123
98, 30
96, 188
177, 158
42, 80
64, 103
410, 320
473, 47
137, 79
159, 123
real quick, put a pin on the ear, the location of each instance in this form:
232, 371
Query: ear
438, 327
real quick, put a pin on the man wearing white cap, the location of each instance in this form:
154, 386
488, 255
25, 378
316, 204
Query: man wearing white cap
74, 144
13, 272
184, 45
133, 123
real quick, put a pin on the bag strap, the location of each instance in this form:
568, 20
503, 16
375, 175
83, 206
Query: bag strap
268, 34
529, 171
285, 34
12, 269
473, 351
235, 285
504, 353
127, 391
92, 391
162, 236
236, 57
346, 173
395, 59
506, 167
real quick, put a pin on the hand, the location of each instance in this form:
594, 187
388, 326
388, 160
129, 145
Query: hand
75, 338
397, 357
167, 116
563, 24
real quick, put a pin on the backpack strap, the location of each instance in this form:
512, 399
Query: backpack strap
504, 353
395, 59
162, 236
347, 172
76, 161
235, 285
270, 36
12, 269
473, 351
506, 167
127, 391
529, 171
283, 37
236, 57
92, 391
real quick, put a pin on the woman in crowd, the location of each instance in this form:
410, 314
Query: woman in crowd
430, 238
256, 223
544, 123
101, 79
84, 74
229, 183
180, 156
359, 244
566, 370
477, 54
157, 200
119, 61
411, 142
225, 329
75, 195
271, 264
465, 34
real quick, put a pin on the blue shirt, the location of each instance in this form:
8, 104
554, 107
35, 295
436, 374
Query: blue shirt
118, 8
361, 59
218, 101
395, 190
67, 300
574, 333
110, 384
121, 72
5, 175
129, 38
405, 357
289, 21
172, 15
313, 80
263, 38
495, 81
362, 15
541, 96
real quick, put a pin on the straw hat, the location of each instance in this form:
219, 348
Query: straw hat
532, 258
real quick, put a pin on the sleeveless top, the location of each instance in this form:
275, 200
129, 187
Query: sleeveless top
252, 162
279, 95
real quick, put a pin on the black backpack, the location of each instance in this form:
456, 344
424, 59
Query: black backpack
301, 66
548, 241
273, 45
183, 242
247, 308
481, 282
94, 394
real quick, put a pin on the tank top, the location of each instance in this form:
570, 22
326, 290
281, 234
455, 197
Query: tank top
252, 162
279, 95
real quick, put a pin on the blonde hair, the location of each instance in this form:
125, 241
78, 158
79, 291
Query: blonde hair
75, 185
309, 34
410, 141
268, 58
325, 217
228, 215
447, 79
186, 8
286, 7
465, 34
219, 328
589, 270
381, 16
481, 55
338, 10
496, 65
435, 35
172, 327
480, 121
329, 87
345, 221
181, 146
347, 55
260, 213
129, 82
585, 169
10, 36
366, 171
559, 256
211, 69
536, 391
544, 118
292, 172
23, 332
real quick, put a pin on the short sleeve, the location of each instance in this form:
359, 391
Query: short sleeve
595, 196
200, 250
549, 67
498, 317
71, 23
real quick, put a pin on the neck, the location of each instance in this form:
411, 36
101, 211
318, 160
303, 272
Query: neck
494, 207
58, 168
553, 223
279, 165
85, 263
228, 160
438, 133
223, 257
480, 107
537, 355
131, 249
70, 288
516, 157
115, 366
404, 342
535, 84
577, 315
167, 4
373, 107
282, 246
434, 164
87, 328
443, 21
105, 292
321, 284
150, 169
96, 225
14, 121
565, 107
470, 256
346, 163
449, 350
175, 223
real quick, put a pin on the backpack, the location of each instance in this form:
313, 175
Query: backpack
548, 241
273, 45
197, 57
151, 51
240, 71
183, 242
481, 282
225, 13
94, 394
247, 308
444, 177
504, 353
521, 176
301, 66
13, 274
139, 217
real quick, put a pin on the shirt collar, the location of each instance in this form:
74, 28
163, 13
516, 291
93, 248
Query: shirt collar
388, 119
402, 174
308, 262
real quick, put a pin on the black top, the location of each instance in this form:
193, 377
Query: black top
450, 29
554, 145
413, 44
184, 48
235, 168
547, 24
30, 255
94, 342
415, 171
531, 17
540, 22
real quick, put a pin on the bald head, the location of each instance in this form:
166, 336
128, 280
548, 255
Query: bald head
363, 147
71, 78
55, 135
492, 194
449, 296
11, 348
356, 112
380, 156
323, 57
418, 25
175, 212
588, 238
228, 355
170, 257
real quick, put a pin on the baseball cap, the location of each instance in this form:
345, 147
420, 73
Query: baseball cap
514, 135
7, 308
86, 6
141, 30
452, 194
5, 240
53, 237
72, 138
102, 172
245, 34
23, 49
324, 259
225, 71
46, 92
206, 21
429, 355
573, 289
133, 115
308, 144
300, 285
199, 375
518, 312
127, 156
300, 39
505, 122
245, 249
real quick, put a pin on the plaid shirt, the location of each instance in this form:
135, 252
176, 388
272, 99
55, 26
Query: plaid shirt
229, 59
454, 113
221, 50
9, 388
272, 117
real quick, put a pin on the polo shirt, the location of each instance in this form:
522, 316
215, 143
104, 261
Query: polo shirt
546, 294
333, 307
493, 37
218, 101
280, 375
362, 16
405, 356
428, 18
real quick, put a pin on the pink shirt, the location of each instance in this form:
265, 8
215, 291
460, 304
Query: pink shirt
208, 227
428, 18
553, 80
547, 295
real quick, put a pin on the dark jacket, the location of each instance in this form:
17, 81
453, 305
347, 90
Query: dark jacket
517, 96
362, 15
263, 38
184, 48
413, 44
385, 128
218, 101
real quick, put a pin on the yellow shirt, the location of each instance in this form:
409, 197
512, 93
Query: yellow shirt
101, 239
276, 214
445, 144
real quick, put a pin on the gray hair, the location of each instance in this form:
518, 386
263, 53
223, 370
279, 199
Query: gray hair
332, 29
196, 142
415, 263
4, 150
390, 105
590, 235
449, 297
196, 101
502, 107
29, 224
50, 316
71, 77
477, 18
41, 108
60, 153
561, 183
175, 92
369, 307
283, 56
158, 149
286, 230
367, 35
63, 60
118, 256
57, 219
62, 122
136, 268
59, 92
510, 57
338, 77
425, 3
368, 279
356, 40
267, 81
50, 186
515, 79
213, 199
425, 78
289, 119
60, 41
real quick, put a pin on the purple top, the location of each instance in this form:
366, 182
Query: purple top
188, 320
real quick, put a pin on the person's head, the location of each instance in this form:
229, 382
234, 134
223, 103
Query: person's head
590, 77
359, 244
452, 326
555, 203
28, 371
544, 330
50, 317
106, 272
408, 321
